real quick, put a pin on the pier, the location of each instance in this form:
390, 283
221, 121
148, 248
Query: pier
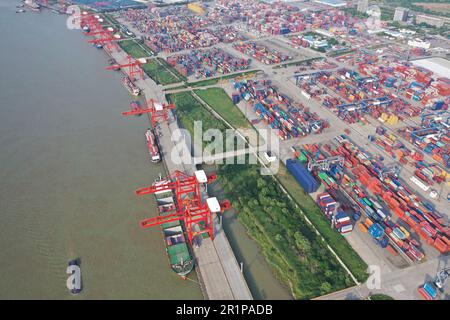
218, 271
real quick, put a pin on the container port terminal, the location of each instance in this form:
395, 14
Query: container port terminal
362, 126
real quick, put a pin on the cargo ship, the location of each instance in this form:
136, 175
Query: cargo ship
131, 87
178, 252
152, 146
32, 6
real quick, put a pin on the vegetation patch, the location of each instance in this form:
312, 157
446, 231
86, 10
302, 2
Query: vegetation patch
338, 53
135, 49
219, 100
351, 259
111, 19
298, 63
297, 254
354, 12
434, 7
183, 86
159, 73
381, 297
189, 110
171, 69
213, 81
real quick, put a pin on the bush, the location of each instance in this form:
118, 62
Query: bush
298, 255
381, 297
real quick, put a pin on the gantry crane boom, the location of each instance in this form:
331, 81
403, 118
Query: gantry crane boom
158, 111
134, 67
182, 184
191, 213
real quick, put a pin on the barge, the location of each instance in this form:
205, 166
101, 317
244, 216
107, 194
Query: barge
180, 257
152, 146
131, 87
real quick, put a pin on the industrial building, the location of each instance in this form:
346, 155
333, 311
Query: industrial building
332, 3
401, 14
439, 66
419, 43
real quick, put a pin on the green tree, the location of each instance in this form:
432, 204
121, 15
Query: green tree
302, 244
325, 288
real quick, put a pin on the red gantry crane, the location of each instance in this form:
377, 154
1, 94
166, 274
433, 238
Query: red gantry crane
99, 31
183, 185
159, 111
134, 67
197, 217
90, 22
107, 39
190, 207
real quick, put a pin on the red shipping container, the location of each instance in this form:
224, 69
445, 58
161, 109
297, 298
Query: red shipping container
446, 240
441, 245
392, 250
399, 212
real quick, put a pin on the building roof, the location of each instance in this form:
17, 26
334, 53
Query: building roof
213, 204
201, 176
332, 3
440, 66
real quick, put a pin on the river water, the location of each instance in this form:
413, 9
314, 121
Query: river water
69, 165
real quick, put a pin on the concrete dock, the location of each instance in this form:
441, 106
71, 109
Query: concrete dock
216, 265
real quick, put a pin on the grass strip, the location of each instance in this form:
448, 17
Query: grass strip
159, 73
219, 100
135, 49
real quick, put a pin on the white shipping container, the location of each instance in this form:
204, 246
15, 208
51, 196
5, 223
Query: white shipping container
306, 95
370, 211
419, 183
343, 219
346, 229
377, 205
382, 215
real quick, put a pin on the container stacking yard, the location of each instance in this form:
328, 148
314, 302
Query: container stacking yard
394, 214
207, 63
292, 119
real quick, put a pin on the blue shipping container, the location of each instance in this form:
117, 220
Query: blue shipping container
377, 231
303, 176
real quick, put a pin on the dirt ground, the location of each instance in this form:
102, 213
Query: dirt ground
438, 7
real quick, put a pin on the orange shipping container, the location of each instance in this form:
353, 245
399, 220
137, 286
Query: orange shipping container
363, 227
437, 157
